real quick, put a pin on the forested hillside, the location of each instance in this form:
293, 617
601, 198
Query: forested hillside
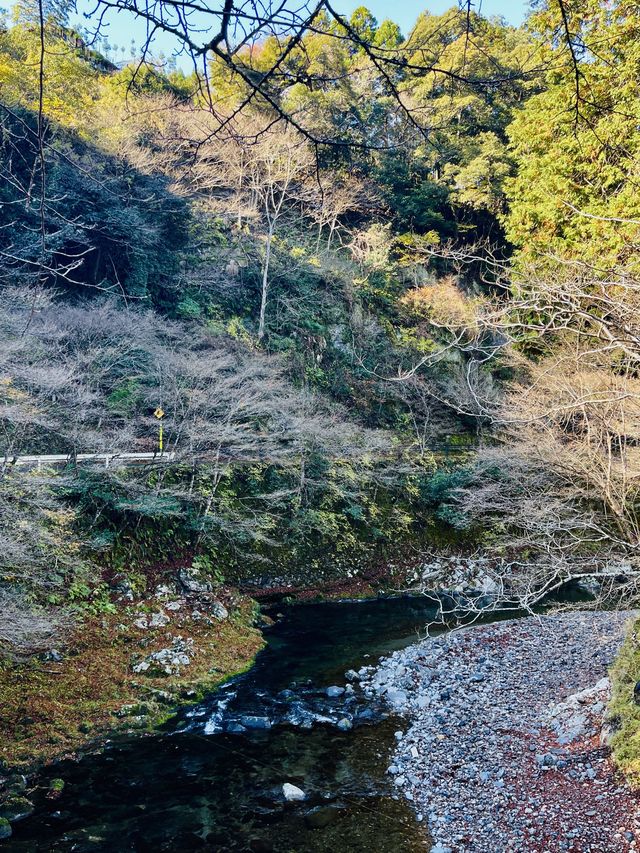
381, 286
267, 295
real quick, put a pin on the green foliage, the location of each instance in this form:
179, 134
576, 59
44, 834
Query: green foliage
206, 564
623, 711
418, 202
125, 398
574, 192
93, 600
440, 491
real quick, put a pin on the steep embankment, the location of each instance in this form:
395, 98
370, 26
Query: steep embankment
507, 740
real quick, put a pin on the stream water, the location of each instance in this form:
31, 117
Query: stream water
213, 780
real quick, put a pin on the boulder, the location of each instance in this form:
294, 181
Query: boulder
194, 581
292, 793
159, 620
5, 828
16, 808
397, 698
334, 691
218, 610
52, 655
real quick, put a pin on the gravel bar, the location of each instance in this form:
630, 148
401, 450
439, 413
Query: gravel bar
507, 746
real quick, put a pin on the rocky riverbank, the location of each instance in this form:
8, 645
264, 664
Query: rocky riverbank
507, 748
123, 671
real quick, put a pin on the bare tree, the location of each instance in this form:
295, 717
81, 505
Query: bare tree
265, 183
557, 484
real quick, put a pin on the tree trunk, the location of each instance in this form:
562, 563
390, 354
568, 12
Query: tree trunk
265, 284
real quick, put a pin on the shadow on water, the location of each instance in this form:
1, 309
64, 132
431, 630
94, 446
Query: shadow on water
212, 783
184, 790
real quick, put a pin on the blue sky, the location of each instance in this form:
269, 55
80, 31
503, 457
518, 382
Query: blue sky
122, 28
405, 12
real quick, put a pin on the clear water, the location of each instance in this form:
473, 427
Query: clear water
199, 787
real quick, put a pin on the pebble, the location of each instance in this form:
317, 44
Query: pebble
501, 721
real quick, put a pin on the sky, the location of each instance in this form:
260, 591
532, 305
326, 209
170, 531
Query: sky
405, 12
122, 29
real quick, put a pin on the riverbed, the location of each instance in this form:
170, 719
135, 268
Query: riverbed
213, 780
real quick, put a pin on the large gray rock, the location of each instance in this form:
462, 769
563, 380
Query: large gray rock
292, 793
193, 580
159, 620
218, 610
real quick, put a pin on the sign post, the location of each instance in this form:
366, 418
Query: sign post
159, 414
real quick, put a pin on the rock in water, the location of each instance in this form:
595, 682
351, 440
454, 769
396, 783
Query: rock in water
16, 808
251, 722
333, 692
292, 793
5, 828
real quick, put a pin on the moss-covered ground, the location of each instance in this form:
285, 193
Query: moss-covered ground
51, 708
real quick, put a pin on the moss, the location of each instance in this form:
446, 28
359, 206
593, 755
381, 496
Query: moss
53, 709
16, 808
5, 828
623, 713
56, 785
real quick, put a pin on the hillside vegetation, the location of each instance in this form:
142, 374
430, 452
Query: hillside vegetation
386, 298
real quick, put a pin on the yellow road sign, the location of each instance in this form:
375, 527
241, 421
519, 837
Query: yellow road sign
159, 413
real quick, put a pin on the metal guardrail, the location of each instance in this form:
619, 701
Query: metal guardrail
109, 460
121, 460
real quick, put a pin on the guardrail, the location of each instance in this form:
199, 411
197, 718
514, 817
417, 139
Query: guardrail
108, 460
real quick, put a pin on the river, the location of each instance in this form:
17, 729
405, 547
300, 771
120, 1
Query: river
205, 784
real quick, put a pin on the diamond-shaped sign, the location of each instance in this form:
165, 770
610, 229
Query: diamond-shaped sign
159, 413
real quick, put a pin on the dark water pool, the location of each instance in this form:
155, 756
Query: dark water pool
202, 786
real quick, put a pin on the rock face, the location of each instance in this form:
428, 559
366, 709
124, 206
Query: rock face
505, 736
